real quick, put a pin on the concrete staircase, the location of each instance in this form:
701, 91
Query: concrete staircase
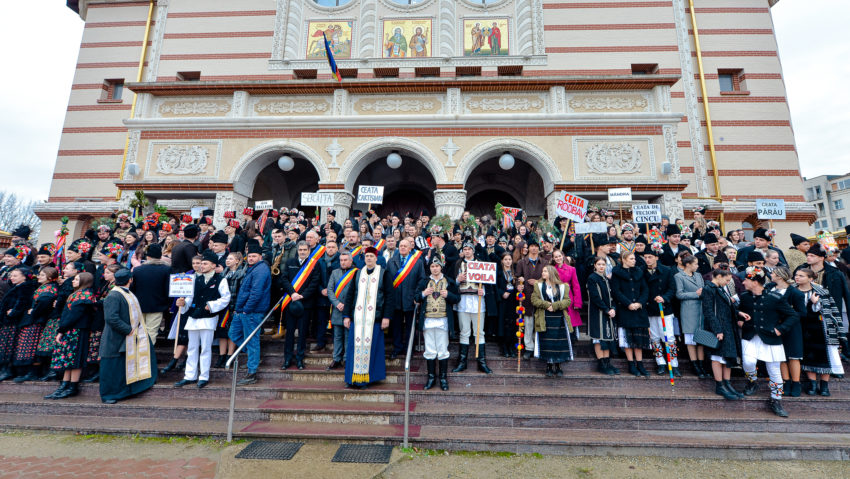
582, 413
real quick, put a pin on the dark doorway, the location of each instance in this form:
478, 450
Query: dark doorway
409, 188
484, 202
285, 187
519, 187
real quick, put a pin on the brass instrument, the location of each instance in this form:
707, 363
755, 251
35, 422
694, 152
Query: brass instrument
276, 264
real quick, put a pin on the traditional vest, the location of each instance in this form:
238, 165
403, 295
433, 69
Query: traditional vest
204, 292
436, 307
467, 287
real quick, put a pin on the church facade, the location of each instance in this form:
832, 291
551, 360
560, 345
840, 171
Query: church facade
235, 103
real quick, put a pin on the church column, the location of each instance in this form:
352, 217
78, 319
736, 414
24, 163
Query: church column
450, 202
342, 205
228, 201
552, 203
671, 205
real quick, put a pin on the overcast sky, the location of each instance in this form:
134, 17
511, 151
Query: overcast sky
812, 47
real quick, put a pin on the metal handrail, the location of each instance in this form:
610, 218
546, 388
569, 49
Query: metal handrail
235, 361
407, 375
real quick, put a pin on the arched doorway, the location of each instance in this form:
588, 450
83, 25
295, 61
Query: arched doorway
484, 201
408, 188
285, 187
489, 184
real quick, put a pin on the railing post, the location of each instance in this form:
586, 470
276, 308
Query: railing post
232, 400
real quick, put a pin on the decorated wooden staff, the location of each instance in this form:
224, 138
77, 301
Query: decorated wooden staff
478, 326
666, 344
520, 322
177, 333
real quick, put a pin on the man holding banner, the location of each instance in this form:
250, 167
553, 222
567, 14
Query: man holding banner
468, 310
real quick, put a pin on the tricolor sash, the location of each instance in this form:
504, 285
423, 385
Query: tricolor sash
343, 282
356, 251
225, 319
380, 244
406, 269
304, 273
625, 246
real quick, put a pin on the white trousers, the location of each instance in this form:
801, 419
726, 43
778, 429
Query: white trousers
468, 326
199, 339
528, 339
437, 343
749, 359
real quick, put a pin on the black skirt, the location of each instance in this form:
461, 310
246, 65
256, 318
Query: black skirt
222, 327
815, 352
793, 342
27, 344
7, 343
554, 343
637, 338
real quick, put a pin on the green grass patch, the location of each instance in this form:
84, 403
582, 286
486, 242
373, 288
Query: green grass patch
414, 451
186, 440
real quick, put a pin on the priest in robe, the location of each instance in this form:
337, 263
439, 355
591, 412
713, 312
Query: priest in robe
367, 313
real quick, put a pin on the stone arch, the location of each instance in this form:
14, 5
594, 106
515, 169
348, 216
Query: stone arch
244, 175
372, 150
522, 150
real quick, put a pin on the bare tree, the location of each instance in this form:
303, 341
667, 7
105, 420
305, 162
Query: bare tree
15, 211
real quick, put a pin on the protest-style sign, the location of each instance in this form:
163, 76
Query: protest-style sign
619, 195
317, 199
370, 194
197, 211
571, 207
595, 227
264, 205
181, 285
770, 209
646, 213
481, 272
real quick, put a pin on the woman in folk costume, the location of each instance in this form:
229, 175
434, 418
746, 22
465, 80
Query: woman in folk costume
721, 318
128, 363
793, 340
436, 294
72, 336
367, 313
506, 287
551, 300
820, 333
600, 317
13, 308
32, 324
47, 343
568, 275
630, 295
689, 286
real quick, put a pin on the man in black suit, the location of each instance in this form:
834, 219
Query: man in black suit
711, 255
182, 254
153, 277
672, 247
302, 304
761, 244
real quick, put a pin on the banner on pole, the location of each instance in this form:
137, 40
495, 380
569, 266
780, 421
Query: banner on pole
370, 194
317, 199
596, 227
770, 209
619, 195
646, 213
264, 205
481, 272
571, 207
181, 285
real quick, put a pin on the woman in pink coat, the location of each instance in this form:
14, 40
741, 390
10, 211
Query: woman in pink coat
568, 276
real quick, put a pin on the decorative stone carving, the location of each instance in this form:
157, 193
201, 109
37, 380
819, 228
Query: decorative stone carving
613, 158
524, 18
671, 205
191, 108
453, 101
448, 9
342, 202
539, 37
132, 151
340, 106
334, 149
508, 104
182, 160
156, 41
293, 30
589, 103
662, 98
397, 106
227, 201
671, 149
279, 29
368, 23
450, 202
240, 104
552, 203
557, 99
450, 149
284, 107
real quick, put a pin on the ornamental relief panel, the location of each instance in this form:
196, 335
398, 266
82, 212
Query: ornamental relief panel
170, 159
604, 158
613, 103
396, 105
295, 106
191, 107
504, 104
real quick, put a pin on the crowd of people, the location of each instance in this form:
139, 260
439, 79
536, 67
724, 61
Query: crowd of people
75, 314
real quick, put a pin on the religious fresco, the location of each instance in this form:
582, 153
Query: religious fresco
485, 37
408, 38
339, 37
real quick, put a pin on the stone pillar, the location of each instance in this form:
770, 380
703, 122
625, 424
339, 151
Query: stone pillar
450, 202
228, 201
342, 205
671, 205
552, 204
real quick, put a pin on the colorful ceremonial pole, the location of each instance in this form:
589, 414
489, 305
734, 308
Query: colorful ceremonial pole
666, 345
520, 322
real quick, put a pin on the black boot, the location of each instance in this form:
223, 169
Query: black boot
775, 405
698, 369
550, 371
676, 372
633, 369
93, 376
62, 386
432, 373
844, 349
824, 388
31, 375
731, 389
601, 367
559, 373
751, 388
461, 363
444, 369
611, 368
6, 373
721, 390
50, 375
811, 388
482, 360
795, 389
661, 369
221, 361
170, 367
72, 390
641, 369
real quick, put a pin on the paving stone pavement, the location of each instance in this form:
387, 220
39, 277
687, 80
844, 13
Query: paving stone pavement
33, 467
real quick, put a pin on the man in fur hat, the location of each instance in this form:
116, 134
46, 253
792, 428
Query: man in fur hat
672, 247
796, 255
761, 243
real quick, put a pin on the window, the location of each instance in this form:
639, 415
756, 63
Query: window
731, 80
644, 68
838, 205
817, 191
113, 90
189, 76
821, 209
841, 222
841, 185
334, 3
407, 2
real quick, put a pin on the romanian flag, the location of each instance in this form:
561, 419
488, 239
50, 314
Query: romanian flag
261, 223
508, 217
331, 60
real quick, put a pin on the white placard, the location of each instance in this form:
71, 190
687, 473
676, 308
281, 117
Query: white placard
481, 272
770, 209
181, 285
595, 227
197, 211
572, 207
619, 195
317, 199
264, 205
370, 195
646, 213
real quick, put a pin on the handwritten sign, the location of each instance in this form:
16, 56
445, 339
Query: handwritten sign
646, 213
619, 195
770, 209
264, 205
481, 272
181, 285
572, 207
317, 199
595, 227
370, 194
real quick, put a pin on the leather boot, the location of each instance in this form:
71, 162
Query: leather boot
641, 369
6, 373
633, 369
62, 386
559, 373
51, 375
222, 360
444, 369
72, 390
432, 373
93, 376
31, 375
731, 389
751, 388
601, 366
811, 388
661, 369
550, 371
824, 388
721, 390
698, 369
795, 389
170, 367
611, 368
482, 360
775, 405
461, 363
